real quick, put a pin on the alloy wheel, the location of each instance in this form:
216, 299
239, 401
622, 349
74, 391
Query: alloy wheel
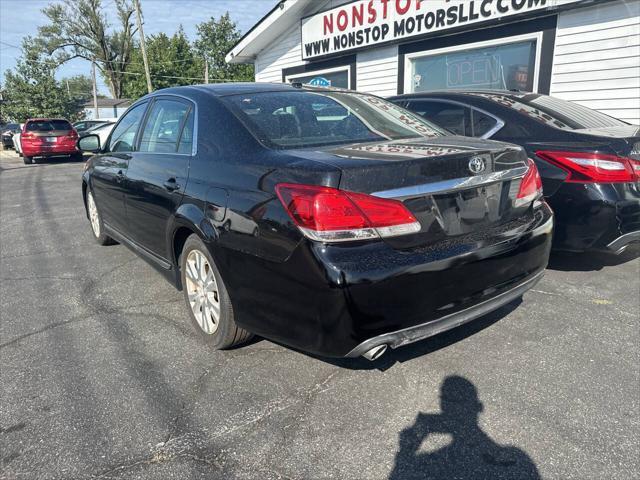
202, 291
93, 215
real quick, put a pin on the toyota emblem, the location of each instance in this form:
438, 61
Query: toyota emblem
477, 165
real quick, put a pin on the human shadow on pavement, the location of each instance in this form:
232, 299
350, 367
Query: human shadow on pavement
591, 261
451, 445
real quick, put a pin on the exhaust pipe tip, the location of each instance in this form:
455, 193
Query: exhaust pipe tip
375, 353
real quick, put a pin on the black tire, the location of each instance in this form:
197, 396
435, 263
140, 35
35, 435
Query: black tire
100, 236
20, 154
27, 160
227, 333
76, 157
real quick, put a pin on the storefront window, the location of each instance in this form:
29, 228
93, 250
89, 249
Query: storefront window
510, 67
339, 79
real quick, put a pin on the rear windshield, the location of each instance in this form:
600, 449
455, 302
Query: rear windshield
302, 118
555, 112
48, 125
12, 127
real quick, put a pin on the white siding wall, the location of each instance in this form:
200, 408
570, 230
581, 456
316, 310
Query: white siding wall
597, 58
285, 53
377, 71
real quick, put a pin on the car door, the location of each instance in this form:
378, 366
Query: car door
110, 167
157, 176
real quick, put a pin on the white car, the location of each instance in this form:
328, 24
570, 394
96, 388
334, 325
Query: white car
102, 131
16, 141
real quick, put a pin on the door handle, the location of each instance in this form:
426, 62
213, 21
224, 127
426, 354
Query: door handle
171, 184
119, 176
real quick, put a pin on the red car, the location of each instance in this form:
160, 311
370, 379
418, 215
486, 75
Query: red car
48, 137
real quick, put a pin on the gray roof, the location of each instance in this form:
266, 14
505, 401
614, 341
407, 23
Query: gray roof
110, 102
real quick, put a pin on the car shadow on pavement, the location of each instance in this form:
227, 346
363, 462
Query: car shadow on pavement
58, 160
591, 261
424, 347
451, 444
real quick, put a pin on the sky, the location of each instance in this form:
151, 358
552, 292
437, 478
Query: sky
19, 18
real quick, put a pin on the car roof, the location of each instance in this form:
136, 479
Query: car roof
242, 88
46, 120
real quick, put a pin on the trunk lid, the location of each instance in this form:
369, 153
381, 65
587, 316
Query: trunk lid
453, 185
624, 140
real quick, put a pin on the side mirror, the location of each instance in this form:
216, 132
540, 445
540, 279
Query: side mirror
89, 143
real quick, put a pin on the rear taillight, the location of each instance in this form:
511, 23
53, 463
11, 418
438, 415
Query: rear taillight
530, 187
593, 167
330, 215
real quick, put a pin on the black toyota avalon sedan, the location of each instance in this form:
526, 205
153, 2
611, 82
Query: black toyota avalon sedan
589, 161
334, 222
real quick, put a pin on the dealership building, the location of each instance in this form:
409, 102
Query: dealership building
587, 51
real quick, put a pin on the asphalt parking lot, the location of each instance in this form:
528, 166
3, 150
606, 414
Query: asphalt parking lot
102, 376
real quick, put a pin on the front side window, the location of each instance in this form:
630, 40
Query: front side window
505, 67
123, 135
164, 126
304, 118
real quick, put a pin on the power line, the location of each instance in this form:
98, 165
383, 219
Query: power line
122, 62
10, 45
181, 78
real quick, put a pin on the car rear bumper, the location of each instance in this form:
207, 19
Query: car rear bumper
336, 300
420, 332
56, 151
49, 154
596, 217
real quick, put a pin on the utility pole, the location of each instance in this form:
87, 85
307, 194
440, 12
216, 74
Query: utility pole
142, 46
95, 89
68, 89
206, 70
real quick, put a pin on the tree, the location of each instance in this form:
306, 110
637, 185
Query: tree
172, 62
31, 89
215, 39
78, 86
79, 28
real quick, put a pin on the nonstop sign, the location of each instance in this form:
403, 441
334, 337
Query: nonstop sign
370, 22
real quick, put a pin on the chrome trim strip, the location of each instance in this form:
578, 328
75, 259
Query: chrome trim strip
453, 185
623, 241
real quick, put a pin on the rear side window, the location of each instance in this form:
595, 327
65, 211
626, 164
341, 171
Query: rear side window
124, 134
164, 128
482, 123
454, 118
47, 126
186, 139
